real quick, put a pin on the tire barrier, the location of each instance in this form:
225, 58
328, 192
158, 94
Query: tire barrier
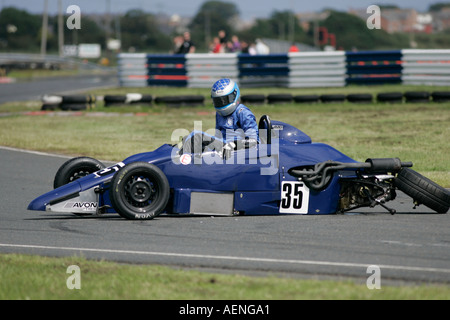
279, 98
253, 99
129, 98
86, 102
416, 97
179, 101
68, 103
307, 98
390, 97
78, 102
51, 102
291, 70
440, 96
360, 98
329, 98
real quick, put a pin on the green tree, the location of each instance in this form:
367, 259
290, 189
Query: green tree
212, 17
283, 25
19, 29
439, 6
140, 31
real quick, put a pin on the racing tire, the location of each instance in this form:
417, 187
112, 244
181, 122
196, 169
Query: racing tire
139, 191
76, 168
423, 190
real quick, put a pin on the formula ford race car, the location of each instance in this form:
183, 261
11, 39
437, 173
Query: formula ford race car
284, 174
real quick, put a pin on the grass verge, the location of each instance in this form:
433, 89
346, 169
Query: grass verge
44, 278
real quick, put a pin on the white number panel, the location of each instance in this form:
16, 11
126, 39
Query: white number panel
294, 197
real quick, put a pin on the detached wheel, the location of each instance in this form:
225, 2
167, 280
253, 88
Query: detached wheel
76, 168
423, 190
139, 191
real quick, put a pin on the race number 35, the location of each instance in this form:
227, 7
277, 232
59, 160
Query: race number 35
294, 198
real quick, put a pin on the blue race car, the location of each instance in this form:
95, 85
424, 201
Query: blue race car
286, 173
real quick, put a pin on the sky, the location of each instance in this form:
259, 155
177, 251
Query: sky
249, 9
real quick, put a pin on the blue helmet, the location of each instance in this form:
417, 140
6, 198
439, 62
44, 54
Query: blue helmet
226, 96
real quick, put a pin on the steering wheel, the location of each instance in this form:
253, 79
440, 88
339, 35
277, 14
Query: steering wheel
265, 123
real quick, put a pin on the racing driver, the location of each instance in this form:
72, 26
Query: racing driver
236, 123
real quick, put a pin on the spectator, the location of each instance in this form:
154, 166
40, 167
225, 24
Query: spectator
235, 44
252, 49
187, 45
223, 38
177, 42
216, 46
244, 47
293, 48
261, 47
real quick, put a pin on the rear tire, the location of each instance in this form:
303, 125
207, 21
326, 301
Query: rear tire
423, 190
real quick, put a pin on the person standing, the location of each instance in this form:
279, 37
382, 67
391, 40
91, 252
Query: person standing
187, 46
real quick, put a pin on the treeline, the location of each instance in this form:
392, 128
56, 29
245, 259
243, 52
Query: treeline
141, 31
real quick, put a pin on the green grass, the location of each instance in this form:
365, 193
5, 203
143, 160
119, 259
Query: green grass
42, 278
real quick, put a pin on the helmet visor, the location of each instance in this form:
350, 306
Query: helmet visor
220, 102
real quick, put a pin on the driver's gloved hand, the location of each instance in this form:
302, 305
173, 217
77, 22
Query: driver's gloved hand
227, 148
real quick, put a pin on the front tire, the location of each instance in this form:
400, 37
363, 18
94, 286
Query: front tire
76, 168
423, 190
139, 191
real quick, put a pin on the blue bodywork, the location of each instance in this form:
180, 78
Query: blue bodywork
256, 179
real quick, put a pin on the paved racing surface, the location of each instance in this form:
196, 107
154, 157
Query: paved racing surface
411, 246
34, 90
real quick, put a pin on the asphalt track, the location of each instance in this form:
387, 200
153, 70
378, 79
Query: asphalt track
409, 247
26, 90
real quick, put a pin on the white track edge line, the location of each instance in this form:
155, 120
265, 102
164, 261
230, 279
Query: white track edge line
250, 259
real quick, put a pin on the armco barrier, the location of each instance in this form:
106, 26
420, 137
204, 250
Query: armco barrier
167, 70
317, 69
374, 67
205, 69
133, 69
426, 67
292, 70
263, 70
